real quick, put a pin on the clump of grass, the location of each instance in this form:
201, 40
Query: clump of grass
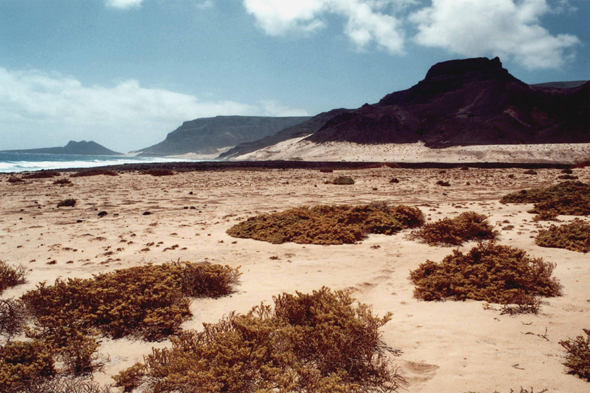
145, 301
41, 175
343, 180
574, 236
69, 202
11, 276
570, 198
319, 342
94, 172
63, 181
328, 224
159, 172
578, 355
489, 272
455, 231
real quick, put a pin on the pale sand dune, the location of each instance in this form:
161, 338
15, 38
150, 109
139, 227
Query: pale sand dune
298, 148
446, 346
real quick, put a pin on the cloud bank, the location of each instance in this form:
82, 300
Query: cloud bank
123, 117
123, 4
510, 29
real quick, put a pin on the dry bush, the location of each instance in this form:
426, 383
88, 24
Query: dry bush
522, 303
63, 181
41, 175
69, 202
94, 172
23, 364
61, 384
145, 301
11, 276
159, 172
578, 355
455, 231
530, 172
443, 183
489, 272
319, 343
574, 236
15, 179
571, 198
327, 224
13, 317
343, 180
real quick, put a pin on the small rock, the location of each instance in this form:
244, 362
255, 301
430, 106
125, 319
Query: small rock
102, 214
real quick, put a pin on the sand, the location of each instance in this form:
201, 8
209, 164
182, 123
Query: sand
298, 148
445, 346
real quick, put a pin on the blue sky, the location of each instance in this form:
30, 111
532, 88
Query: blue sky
124, 73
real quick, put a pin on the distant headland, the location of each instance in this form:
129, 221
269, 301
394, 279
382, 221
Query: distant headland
87, 148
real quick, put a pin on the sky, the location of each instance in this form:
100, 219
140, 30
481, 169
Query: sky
125, 73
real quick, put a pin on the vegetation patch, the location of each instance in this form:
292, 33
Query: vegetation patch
145, 301
574, 236
343, 180
13, 317
23, 364
570, 198
578, 355
63, 181
325, 224
159, 172
95, 172
11, 276
15, 179
489, 272
69, 202
41, 175
320, 342
455, 231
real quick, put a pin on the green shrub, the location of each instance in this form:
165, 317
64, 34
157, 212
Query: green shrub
318, 343
343, 180
69, 202
13, 317
489, 272
455, 231
24, 363
574, 236
145, 301
328, 224
571, 198
578, 355
11, 276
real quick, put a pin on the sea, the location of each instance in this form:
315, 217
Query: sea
27, 162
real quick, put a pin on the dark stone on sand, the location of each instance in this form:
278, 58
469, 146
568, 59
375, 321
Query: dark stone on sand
102, 214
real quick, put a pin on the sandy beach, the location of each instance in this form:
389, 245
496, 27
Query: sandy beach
445, 346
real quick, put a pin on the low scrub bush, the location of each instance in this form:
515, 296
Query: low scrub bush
13, 317
570, 198
328, 224
23, 364
41, 175
320, 342
94, 172
11, 276
159, 172
15, 179
489, 272
578, 355
61, 384
63, 181
343, 180
69, 202
574, 236
455, 231
522, 303
443, 183
145, 301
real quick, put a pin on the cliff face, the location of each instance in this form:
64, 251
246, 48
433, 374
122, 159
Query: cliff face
206, 135
81, 148
467, 102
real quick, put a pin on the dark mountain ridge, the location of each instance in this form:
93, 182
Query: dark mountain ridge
207, 135
89, 148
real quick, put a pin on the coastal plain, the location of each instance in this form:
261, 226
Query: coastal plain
445, 346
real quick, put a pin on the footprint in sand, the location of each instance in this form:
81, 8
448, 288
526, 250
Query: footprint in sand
416, 373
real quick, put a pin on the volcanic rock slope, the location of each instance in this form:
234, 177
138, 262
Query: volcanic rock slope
467, 102
207, 135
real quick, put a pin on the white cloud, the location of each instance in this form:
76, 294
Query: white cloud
38, 109
123, 4
506, 28
367, 21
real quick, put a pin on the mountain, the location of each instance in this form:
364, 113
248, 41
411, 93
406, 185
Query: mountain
459, 102
82, 148
207, 135
467, 102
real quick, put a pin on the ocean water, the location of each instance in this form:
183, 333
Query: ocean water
26, 162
